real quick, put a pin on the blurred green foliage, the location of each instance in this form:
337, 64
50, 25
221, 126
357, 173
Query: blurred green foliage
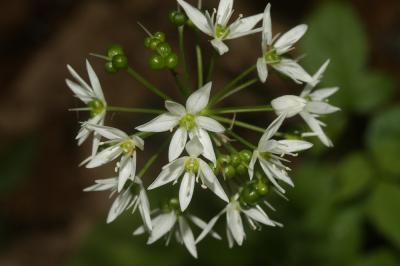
345, 208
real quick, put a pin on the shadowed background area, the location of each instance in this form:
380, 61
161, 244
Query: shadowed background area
344, 209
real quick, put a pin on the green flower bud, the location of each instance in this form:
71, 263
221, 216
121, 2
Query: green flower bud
174, 204
164, 49
160, 36
224, 159
147, 42
114, 50
154, 43
156, 62
171, 61
241, 170
109, 67
171, 16
235, 159
177, 18
249, 195
120, 62
261, 188
245, 155
229, 172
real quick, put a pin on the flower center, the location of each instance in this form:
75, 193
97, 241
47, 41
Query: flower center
192, 165
265, 155
221, 31
188, 121
272, 56
128, 146
96, 107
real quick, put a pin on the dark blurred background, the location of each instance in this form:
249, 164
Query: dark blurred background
345, 208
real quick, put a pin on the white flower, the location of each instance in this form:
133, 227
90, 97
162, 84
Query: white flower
190, 122
193, 170
234, 226
133, 196
120, 145
310, 105
168, 223
270, 152
216, 24
273, 51
93, 97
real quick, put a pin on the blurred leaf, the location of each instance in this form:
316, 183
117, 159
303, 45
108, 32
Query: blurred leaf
16, 163
384, 212
337, 33
350, 184
383, 139
378, 258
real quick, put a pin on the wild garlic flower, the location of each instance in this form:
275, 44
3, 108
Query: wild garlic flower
132, 196
254, 215
273, 50
309, 105
190, 122
270, 154
194, 170
119, 144
92, 95
171, 221
216, 24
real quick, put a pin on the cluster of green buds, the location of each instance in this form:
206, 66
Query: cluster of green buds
163, 56
232, 165
253, 191
178, 18
117, 59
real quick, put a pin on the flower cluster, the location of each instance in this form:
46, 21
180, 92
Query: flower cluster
202, 151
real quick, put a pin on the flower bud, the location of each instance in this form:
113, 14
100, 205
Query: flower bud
289, 104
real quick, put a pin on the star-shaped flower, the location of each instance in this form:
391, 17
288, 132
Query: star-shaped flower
270, 154
132, 196
273, 51
92, 95
216, 24
190, 122
310, 105
193, 170
120, 144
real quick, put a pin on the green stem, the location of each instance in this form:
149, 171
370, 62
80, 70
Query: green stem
134, 110
199, 66
238, 123
182, 88
244, 109
183, 58
231, 85
236, 89
242, 140
211, 66
146, 83
152, 160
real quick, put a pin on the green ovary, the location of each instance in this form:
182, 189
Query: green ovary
221, 31
265, 155
192, 165
128, 147
188, 121
96, 107
272, 56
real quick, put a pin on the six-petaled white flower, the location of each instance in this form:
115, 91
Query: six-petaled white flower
120, 144
273, 51
190, 122
270, 152
193, 170
255, 216
170, 222
310, 105
133, 196
216, 24
92, 95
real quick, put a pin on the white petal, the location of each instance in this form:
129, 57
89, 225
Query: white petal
119, 205
186, 190
262, 69
290, 146
290, 105
169, 174
272, 128
197, 17
252, 164
267, 27
139, 142
242, 27
177, 144
235, 225
79, 91
144, 209
229, 237
209, 124
208, 149
259, 216
269, 146
108, 132
161, 226
279, 174
224, 11
199, 99
161, 123
202, 225
105, 156
127, 168
321, 108
187, 236
220, 46
94, 81
211, 181
266, 168
103, 184
316, 128
79, 79
194, 147
322, 94
286, 41
209, 227
293, 70
175, 108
